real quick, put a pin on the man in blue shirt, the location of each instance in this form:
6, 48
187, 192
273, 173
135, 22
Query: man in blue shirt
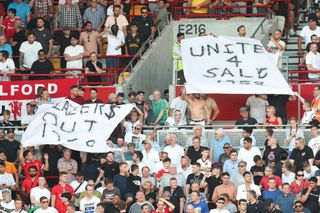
5, 46
272, 192
285, 201
197, 203
217, 145
23, 10
231, 164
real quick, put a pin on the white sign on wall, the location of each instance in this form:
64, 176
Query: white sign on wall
230, 65
79, 127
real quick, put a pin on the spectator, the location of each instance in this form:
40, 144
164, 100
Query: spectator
89, 39
165, 181
44, 207
220, 206
268, 173
37, 192
6, 179
158, 108
164, 206
28, 52
310, 196
110, 8
5, 46
301, 153
177, 59
177, 197
198, 204
94, 14
313, 61
210, 105
64, 40
141, 200
23, 10
7, 65
271, 119
276, 46
57, 190
237, 177
89, 202
145, 25
287, 175
231, 164
247, 133
226, 155
242, 206
242, 31
42, 66
307, 32
248, 152
175, 151
93, 66
43, 36
27, 117
299, 183
197, 6
9, 22
258, 169
198, 132
299, 208
16, 41
73, 54
18, 206
217, 144
93, 95
10, 167
27, 159
254, 205
6, 119
68, 165
162, 14
185, 168
271, 155
136, 136
42, 8
121, 178
245, 119
257, 105
293, 133
117, 19
133, 40
225, 187
68, 16
314, 142
285, 200
279, 102
195, 177
194, 151
272, 192
309, 170
248, 185
12, 146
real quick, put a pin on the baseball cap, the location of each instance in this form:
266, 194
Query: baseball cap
243, 109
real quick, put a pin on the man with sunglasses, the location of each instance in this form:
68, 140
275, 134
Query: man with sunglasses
42, 66
220, 206
145, 25
44, 206
135, 136
298, 208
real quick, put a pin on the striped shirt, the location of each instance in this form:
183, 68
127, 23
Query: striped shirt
68, 17
95, 15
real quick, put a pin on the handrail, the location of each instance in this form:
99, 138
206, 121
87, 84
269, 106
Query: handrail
260, 25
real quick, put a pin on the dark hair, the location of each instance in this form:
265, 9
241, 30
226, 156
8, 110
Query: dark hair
87, 22
246, 173
40, 18
283, 155
225, 174
313, 179
241, 201
166, 160
139, 154
285, 184
143, 8
238, 29
33, 167
12, 10
73, 87
233, 151
120, 94
2, 163
81, 88
66, 195
93, 89
179, 35
270, 131
25, 153
221, 198
196, 137
256, 158
313, 36
43, 198
254, 194
41, 51
6, 112
248, 130
122, 163
132, 94
116, 6
248, 139
107, 181
31, 33
205, 149
134, 167
5, 54
196, 164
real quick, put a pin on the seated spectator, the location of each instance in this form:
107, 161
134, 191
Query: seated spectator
95, 14
298, 207
313, 61
6, 179
93, 66
73, 54
257, 106
177, 196
258, 169
37, 192
6, 202
272, 192
231, 164
27, 117
5, 46
237, 177
195, 177
247, 132
43, 36
145, 25
7, 65
198, 132
18, 206
198, 204
245, 119
166, 179
287, 175
220, 206
23, 10
313, 39
293, 133
174, 121
226, 155
314, 142
117, 19
89, 202
301, 153
308, 31
272, 120
285, 200
310, 196
89, 39
248, 185
161, 13
164, 205
268, 173
185, 168
242, 206
110, 7
44, 207
42, 66
9, 22
68, 16
93, 97
175, 151
272, 153
248, 152
299, 183
217, 144
68, 165
309, 170
254, 205
140, 201
225, 187
10, 167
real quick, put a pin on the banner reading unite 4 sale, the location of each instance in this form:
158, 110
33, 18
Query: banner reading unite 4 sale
229, 65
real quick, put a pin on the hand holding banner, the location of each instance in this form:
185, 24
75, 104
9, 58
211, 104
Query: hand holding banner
79, 127
229, 65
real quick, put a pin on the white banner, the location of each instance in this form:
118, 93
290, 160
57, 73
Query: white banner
79, 127
230, 65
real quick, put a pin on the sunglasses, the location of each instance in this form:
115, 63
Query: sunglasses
241, 166
298, 206
46, 201
220, 202
137, 128
144, 12
226, 147
300, 175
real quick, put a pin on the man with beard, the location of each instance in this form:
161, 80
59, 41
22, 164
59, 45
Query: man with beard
198, 111
89, 39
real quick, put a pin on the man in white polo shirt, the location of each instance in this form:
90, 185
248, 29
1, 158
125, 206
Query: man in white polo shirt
313, 61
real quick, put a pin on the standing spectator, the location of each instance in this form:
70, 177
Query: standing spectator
135, 136
89, 202
314, 142
272, 153
225, 187
4, 45
212, 179
164, 205
29, 52
293, 133
68, 16
27, 117
194, 151
299, 208
272, 192
43, 36
6, 179
6, 65
18, 206
57, 190
220, 206
120, 180
231, 164
197, 132
145, 24
37, 192
310, 196
307, 32
226, 155
12, 146
90, 39
197, 4
110, 166
30, 182
133, 40
272, 120
110, 8
217, 143
195, 177
258, 169
23, 10
248, 185
254, 205
140, 202
177, 59
313, 61
247, 133
268, 173
159, 107
42, 66
16, 41
44, 207
316, 102
68, 165
165, 181
42, 8
245, 119
94, 14
248, 152
161, 13
54, 155
301, 153
93, 96
287, 175
64, 40
93, 66
9, 22
175, 151
118, 19
257, 105
27, 159
285, 201
73, 54
280, 105
276, 46
200, 205
177, 197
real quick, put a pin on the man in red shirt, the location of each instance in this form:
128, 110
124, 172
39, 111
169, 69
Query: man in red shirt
9, 22
32, 181
27, 160
58, 190
164, 206
74, 95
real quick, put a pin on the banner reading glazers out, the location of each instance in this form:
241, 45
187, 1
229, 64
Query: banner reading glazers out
15, 95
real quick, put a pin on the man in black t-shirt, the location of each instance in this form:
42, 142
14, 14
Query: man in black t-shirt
245, 119
12, 146
110, 167
194, 151
42, 66
195, 177
93, 67
145, 25
177, 196
271, 155
134, 181
254, 205
310, 196
301, 153
133, 40
257, 170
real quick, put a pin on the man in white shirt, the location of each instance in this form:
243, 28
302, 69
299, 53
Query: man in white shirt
198, 132
257, 105
247, 132
248, 152
136, 136
29, 52
89, 202
276, 46
307, 32
27, 117
314, 142
18, 207
248, 185
45, 208
179, 104
150, 155
175, 151
313, 61
6, 65
73, 54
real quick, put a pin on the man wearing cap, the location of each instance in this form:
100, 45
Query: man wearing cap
245, 118
150, 155
308, 31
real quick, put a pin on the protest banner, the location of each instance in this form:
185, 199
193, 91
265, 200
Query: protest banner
14, 95
79, 127
229, 65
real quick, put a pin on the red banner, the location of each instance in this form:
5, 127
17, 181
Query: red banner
24, 90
